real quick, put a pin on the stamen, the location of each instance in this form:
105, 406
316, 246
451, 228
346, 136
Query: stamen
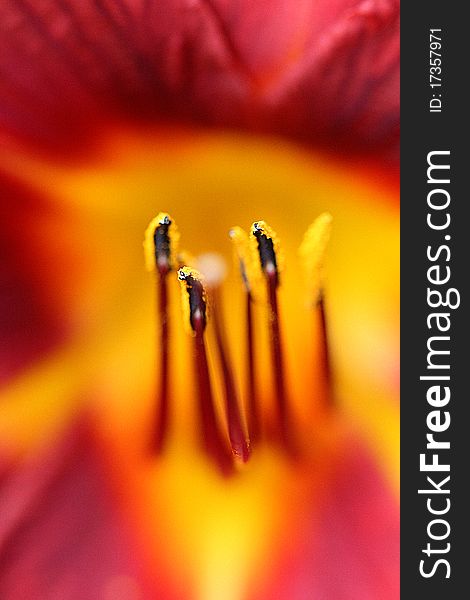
312, 252
244, 255
241, 243
214, 269
160, 248
195, 309
267, 246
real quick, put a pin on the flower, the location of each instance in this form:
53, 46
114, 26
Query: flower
89, 509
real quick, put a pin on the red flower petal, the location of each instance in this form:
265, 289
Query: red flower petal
62, 535
29, 326
350, 549
323, 70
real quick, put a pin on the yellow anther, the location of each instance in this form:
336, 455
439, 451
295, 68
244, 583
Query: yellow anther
161, 252
312, 252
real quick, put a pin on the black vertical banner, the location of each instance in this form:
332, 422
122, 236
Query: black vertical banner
435, 351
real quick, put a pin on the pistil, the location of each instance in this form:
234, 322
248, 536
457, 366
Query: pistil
269, 265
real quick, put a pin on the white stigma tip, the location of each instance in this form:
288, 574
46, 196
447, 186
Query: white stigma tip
213, 267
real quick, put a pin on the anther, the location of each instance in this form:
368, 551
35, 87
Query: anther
312, 252
213, 267
241, 244
266, 250
161, 239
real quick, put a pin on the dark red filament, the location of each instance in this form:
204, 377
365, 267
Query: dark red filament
325, 351
254, 429
236, 432
277, 358
162, 418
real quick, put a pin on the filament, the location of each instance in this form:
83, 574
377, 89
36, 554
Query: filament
254, 429
245, 262
265, 238
325, 351
236, 433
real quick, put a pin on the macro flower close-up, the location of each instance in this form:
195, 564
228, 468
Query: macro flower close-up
199, 290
